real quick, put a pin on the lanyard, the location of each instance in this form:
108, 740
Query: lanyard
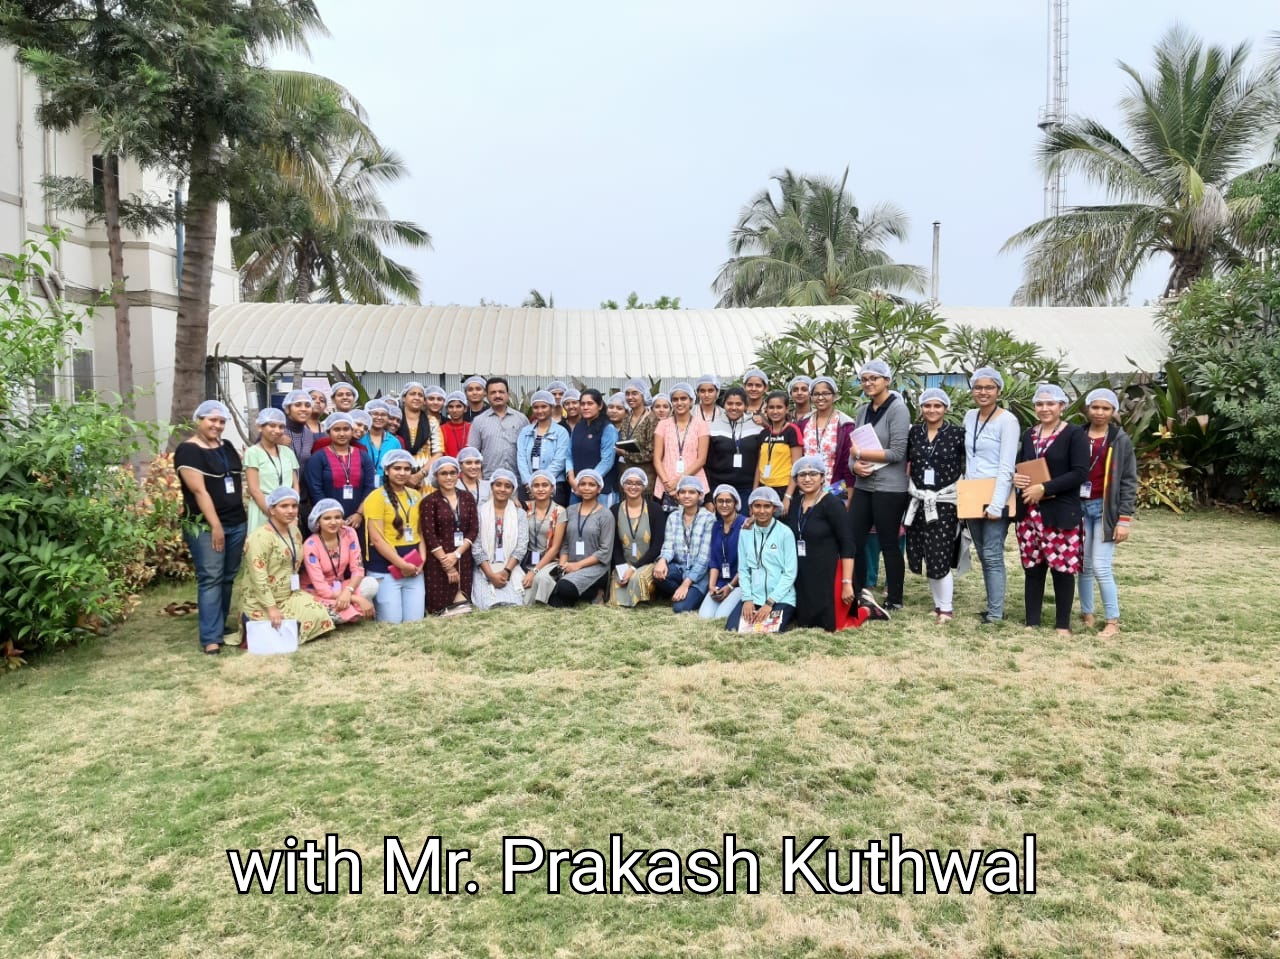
456, 511
277, 462
680, 439
733, 432
762, 539
773, 439
686, 530
550, 513
226, 461
724, 542
979, 425
582, 520
293, 550
821, 435
346, 467
802, 519
1102, 449
393, 499
333, 562
635, 530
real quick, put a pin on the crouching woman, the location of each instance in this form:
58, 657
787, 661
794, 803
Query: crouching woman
767, 566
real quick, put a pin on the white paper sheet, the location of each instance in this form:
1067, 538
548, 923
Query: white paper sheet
265, 641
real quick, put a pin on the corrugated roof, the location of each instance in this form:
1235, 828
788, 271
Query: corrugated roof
547, 343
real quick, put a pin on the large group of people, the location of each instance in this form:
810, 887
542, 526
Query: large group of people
767, 510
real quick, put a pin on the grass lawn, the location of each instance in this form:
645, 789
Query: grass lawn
1148, 766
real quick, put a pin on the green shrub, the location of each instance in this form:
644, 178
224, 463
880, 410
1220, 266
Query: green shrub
72, 532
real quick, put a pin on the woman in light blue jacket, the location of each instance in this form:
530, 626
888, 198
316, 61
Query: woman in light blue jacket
766, 565
991, 441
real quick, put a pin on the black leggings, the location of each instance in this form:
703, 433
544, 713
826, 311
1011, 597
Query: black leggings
1064, 594
884, 511
566, 594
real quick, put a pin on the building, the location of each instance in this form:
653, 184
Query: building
262, 347
81, 268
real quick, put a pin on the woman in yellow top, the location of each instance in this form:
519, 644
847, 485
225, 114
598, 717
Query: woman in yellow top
272, 588
781, 445
394, 543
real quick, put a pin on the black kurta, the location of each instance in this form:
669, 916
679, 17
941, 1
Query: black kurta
931, 546
828, 538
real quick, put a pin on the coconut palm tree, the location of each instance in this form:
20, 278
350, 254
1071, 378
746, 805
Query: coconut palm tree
295, 247
1193, 128
811, 246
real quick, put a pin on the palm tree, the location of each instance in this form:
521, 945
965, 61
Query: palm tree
812, 246
301, 244
1194, 128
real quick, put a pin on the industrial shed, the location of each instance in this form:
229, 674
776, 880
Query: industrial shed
256, 344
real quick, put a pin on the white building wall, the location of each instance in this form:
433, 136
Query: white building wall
27, 154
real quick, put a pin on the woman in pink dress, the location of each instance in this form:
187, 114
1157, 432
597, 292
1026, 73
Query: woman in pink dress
680, 445
333, 571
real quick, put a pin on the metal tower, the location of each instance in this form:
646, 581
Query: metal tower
1054, 112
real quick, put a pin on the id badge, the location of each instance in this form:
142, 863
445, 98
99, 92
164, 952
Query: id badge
1086, 489
536, 557
295, 583
230, 482
635, 550
679, 466
348, 492
929, 479
579, 548
458, 537
800, 550
767, 471
725, 574
499, 554
737, 461
537, 462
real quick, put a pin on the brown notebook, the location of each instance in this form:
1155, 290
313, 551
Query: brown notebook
1038, 470
972, 497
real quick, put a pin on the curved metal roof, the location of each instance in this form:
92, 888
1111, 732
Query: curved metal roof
548, 343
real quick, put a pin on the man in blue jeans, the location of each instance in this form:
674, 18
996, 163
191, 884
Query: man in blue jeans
214, 521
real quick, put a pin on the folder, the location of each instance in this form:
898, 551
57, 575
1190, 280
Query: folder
1038, 470
973, 496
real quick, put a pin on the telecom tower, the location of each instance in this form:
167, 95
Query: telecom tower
1054, 111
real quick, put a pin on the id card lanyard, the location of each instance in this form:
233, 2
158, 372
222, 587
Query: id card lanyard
294, 582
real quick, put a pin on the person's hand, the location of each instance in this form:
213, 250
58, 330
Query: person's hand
449, 561
365, 607
343, 600
219, 537
681, 592
275, 616
846, 594
453, 576
862, 468
626, 577
1121, 532
748, 614
408, 568
1021, 480
354, 520
528, 580
720, 592
660, 569
1033, 493
763, 613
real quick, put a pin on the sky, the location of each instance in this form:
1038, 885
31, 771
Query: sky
590, 149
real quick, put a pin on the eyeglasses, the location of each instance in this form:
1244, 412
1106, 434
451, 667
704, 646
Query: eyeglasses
446, 471
819, 393
638, 483
984, 389
726, 501
803, 474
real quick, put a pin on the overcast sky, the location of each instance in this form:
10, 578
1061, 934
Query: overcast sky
589, 149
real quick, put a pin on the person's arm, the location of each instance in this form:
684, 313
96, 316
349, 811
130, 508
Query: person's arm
313, 575
659, 451
1126, 482
314, 476
355, 564
700, 556
608, 446
1078, 461
522, 540
604, 530
1010, 442
252, 485
524, 456
699, 460
559, 451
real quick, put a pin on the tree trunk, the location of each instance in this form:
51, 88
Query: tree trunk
191, 346
302, 277
1188, 266
119, 299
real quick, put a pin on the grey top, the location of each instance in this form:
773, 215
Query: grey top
481, 555
595, 533
495, 437
892, 430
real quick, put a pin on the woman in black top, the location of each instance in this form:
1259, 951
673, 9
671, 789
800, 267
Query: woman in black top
734, 450
214, 519
824, 548
1049, 514
935, 452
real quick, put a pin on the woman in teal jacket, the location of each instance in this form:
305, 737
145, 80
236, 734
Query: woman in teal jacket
766, 565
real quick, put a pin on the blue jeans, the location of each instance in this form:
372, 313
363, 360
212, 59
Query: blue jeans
400, 600
215, 576
1098, 554
667, 587
988, 540
712, 608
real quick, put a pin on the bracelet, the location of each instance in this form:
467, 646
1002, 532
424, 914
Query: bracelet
846, 582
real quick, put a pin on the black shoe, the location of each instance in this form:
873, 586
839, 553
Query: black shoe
986, 620
893, 607
874, 609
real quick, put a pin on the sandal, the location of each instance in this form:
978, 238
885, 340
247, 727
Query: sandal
1111, 629
180, 609
213, 649
1087, 619
942, 619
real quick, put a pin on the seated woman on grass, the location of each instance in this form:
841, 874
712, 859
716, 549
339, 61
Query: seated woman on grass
681, 571
271, 588
638, 530
333, 569
546, 524
502, 539
766, 565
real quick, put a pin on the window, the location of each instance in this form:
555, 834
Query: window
82, 372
